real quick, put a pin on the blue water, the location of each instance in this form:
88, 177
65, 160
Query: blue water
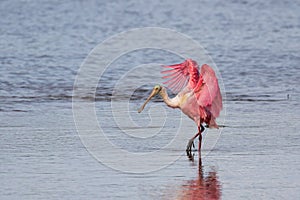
254, 44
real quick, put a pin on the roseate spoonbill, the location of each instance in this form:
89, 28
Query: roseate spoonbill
198, 97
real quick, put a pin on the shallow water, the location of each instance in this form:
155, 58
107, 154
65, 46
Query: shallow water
255, 46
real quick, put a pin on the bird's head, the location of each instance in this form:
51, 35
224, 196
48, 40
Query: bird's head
155, 91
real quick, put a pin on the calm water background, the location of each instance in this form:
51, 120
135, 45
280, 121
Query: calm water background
256, 47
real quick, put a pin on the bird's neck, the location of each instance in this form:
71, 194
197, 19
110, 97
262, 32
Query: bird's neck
171, 102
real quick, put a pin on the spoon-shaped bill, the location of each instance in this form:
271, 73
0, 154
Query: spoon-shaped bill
143, 106
148, 99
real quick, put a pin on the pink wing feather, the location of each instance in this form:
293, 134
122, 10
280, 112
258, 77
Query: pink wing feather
208, 93
205, 84
181, 74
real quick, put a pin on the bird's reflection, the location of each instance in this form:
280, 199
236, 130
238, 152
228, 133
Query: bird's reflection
204, 186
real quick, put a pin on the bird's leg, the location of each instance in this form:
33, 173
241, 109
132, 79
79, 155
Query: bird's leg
200, 142
191, 142
201, 129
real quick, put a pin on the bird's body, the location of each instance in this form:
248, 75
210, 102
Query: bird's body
183, 100
198, 97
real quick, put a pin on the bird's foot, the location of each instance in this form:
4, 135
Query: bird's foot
190, 145
190, 155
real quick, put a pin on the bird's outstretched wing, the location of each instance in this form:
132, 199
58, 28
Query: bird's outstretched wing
180, 75
207, 91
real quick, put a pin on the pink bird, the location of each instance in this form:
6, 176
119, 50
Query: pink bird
198, 97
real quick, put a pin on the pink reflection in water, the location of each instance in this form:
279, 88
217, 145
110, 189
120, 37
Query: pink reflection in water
203, 187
